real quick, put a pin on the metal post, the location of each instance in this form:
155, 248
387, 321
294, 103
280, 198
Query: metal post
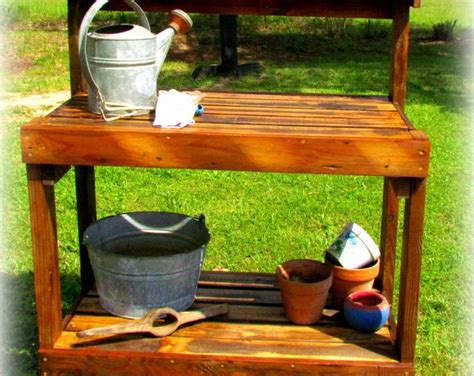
229, 55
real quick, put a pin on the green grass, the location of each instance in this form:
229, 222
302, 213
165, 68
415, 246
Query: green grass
27, 11
435, 11
259, 220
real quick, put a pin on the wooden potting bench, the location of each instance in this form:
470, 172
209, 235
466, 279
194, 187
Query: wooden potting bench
320, 134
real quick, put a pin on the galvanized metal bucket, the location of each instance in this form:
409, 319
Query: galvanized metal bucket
121, 63
145, 260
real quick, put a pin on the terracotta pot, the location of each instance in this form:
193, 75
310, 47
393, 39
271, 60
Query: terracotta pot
305, 293
347, 281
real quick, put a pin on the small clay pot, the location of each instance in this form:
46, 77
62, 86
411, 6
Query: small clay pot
347, 281
366, 311
304, 287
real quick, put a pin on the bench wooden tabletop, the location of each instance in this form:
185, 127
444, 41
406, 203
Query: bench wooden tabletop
241, 131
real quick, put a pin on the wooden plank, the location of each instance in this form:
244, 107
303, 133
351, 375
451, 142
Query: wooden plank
251, 117
300, 111
347, 8
244, 331
277, 100
90, 312
76, 11
279, 349
328, 101
400, 44
116, 146
238, 312
108, 363
268, 97
303, 120
89, 306
86, 214
231, 347
388, 238
410, 270
238, 280
335, 129
232, 295
272, 109
45, 254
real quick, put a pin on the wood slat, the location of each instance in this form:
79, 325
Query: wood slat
335, 129
410, 270
276, 100
230, 347
225, 151
90, 309
328, 101
388, 237
45, 252
74, 362
294, 111
322, 121
309, 120
86, 214
280, 349
249, 331
347, 8
239, 280
399, 61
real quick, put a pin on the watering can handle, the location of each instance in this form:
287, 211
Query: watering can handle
88, 17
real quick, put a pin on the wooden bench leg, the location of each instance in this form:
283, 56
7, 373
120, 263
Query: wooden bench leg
86, 214
410, 270
388, 238
45, 253
400, 43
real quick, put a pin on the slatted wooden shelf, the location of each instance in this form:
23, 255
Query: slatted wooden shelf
242, 131
254, 330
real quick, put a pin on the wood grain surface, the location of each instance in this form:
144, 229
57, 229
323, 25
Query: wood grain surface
253, 332
45, 252
347, 8
241, 131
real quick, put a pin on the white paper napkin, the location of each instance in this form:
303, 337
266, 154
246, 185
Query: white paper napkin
175, 109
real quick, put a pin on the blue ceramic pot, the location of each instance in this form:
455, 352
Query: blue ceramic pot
366, 311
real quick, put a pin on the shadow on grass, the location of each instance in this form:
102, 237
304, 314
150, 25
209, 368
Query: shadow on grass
20, 329
300, 62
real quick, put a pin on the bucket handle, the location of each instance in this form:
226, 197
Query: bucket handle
84, 28
162, 230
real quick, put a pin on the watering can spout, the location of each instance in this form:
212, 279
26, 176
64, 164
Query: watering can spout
179, 22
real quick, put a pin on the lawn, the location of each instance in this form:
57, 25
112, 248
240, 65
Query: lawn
259, 220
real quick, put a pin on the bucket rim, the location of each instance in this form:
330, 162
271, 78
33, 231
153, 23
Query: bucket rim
165, 231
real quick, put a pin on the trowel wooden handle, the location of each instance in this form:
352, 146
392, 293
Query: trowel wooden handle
180, 21
146, 324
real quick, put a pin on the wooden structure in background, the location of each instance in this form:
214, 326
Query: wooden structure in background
323, 134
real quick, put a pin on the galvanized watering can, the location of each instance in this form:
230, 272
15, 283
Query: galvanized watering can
121, 62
